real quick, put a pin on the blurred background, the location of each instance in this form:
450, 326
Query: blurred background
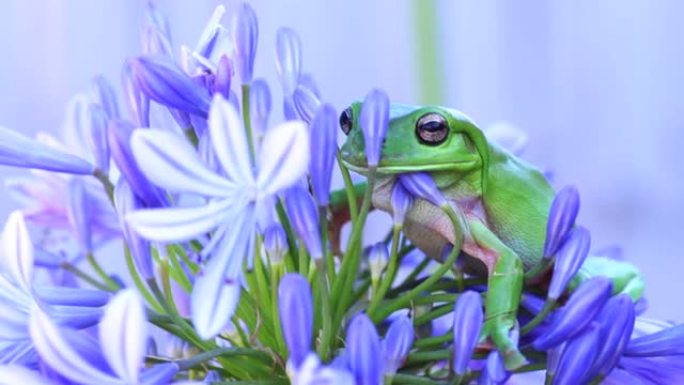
598, 86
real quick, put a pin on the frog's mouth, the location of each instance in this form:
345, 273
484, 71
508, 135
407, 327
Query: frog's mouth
464, 165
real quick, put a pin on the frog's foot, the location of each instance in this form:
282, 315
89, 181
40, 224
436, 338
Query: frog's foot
626, 277
500, 330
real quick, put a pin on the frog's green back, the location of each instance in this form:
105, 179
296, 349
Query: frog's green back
517, 202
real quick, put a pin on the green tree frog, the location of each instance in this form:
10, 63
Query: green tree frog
504, 203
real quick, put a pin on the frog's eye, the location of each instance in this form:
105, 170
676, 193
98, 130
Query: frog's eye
346, 120
432, 128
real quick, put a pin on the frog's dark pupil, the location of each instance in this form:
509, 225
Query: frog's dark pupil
432, 128
346, 121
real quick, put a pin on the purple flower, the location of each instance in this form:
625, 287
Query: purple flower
468, 318
245, 37
288, 59
21, 151
126, 201
401, 201
421, 185
235, 197
96, 137
323, 150
106, 97
224, 72
120, 133
275, 243
617, 322
377, 260
79, 214
260, 105
494, 372
214, 43
304, 217
363, 351
561, 219
137, 102
397, 344
123, 338
666, 342
295, 305
165, 83
580, 310
569, 259
305, 103
374, 121
578, 356
311, 372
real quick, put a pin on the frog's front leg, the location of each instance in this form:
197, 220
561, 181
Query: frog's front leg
504, 288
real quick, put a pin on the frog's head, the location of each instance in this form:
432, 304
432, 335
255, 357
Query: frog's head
429, 138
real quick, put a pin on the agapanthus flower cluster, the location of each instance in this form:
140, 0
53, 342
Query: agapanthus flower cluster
230, 228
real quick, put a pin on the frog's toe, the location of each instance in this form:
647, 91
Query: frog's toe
513, 359
502, 330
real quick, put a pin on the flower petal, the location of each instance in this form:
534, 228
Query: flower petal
230, 141
170, 161
79, 214
284, 157
216, 292
56, 351
123, 334
16, 374
21, 151
288, 58
178, 223
18, 250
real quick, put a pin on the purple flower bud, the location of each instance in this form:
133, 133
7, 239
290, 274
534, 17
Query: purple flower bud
295, 305
79, 214
275, 243
260, 105
468, 318
307, 81
578, 356
106, 97
137, 102
377, 260
224, 72
561, 219
363, 351
119, 133
531, 303
617, 322
164, 82
21, 151
494, 372
289, 109
323, 149
306, 103
245, 37
581, 309
374, 121
569, 259
304, 218
97, 138
421, 185
288, 59
154, 42
663, 343
126, 202
397, 344
401, 201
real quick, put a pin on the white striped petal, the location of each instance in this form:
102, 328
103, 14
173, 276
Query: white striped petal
16, 374
60, 355
179, 223
216, 292
230, 141
284, 157
123, 334
18, 250
170, 161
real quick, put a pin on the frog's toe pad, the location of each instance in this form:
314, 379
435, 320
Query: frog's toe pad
513, 359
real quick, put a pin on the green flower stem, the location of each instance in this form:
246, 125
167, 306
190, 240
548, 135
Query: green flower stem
191, 135
349, 187
410, 379
264, 297
415, 272
434, 314
84, 276
391, 272
276, 273
111, 284
177, 250
201, 358
406, 298
303, 262
106, 183
291, 238
166, 284
180, 275
432, 355
247, 120
549, 305
329, 258
147, 295
431, 342
435, 298
326, 313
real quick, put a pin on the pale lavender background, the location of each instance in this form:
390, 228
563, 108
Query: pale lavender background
598, 86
